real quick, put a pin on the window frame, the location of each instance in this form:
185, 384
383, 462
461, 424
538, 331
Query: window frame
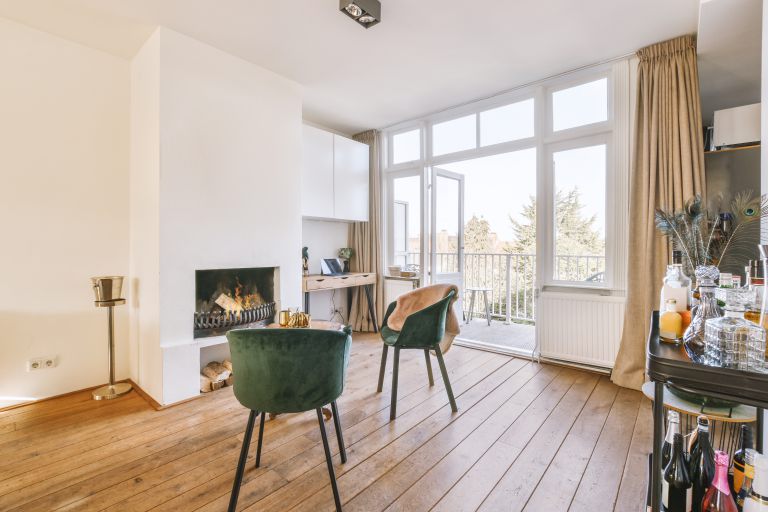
615, 130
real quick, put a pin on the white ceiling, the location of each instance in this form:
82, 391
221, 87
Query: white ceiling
425, 55
729, 47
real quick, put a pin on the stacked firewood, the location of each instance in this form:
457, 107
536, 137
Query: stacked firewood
215, 376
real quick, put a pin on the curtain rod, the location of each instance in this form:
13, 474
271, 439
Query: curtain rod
513, 89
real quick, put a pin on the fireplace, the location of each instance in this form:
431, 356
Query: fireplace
233, 298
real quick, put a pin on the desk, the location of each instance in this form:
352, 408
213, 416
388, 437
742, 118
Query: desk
670, 364
365, 280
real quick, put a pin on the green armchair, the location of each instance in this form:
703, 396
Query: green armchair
284, 371
422, 330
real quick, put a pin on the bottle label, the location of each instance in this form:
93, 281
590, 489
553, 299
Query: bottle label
674, 499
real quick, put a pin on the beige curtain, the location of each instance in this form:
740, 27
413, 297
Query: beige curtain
668, 168
365, 240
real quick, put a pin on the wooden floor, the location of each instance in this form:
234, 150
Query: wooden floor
526, 437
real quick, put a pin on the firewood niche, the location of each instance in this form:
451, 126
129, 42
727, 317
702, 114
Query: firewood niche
234, 297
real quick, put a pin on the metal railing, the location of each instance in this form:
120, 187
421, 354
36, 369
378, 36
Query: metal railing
510, 279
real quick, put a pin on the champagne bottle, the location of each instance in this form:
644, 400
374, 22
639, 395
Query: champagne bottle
749, 475
738, 459
702, 463
718, 497
676, 486
758, 497
673, 427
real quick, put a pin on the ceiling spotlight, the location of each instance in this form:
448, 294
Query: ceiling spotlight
365, 12
354, 10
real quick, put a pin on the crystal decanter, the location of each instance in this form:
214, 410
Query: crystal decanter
706, 309
731, 340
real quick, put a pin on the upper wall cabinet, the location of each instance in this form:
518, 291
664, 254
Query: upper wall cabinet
350, 179
335, 177
317, 174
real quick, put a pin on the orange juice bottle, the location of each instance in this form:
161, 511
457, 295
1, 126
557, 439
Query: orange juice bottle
671, 323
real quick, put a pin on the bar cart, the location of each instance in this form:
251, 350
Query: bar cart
670, 364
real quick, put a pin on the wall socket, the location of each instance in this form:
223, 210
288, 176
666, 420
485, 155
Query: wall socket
41, 363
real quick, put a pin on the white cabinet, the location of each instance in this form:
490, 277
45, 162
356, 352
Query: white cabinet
334, 177
350, 179
317, 174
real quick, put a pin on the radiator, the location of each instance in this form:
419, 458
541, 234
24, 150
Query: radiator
580, 328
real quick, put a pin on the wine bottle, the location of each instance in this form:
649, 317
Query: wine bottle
676, 486
749, 475
718, 497
673, 427
758, 497
702, 463
738, 459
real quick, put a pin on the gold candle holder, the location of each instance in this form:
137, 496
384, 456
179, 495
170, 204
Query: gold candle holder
284, 318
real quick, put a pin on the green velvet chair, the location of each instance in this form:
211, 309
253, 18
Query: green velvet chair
288, 371
422, 330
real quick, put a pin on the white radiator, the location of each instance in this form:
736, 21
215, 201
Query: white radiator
580, 328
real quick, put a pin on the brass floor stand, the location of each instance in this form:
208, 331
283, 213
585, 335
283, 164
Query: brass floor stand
113, 389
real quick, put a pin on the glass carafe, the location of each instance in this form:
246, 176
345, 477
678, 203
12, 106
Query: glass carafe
707, 308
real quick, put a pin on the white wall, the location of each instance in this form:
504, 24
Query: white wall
144, 303
324, 239
63, 209
228, 189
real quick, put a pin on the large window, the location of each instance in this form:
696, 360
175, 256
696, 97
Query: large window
579, 214
574, 187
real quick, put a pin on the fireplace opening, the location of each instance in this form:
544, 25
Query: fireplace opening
231, 298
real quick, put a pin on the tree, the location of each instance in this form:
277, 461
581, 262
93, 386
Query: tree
576, 234
477, 235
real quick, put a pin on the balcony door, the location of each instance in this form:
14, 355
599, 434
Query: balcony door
446, 254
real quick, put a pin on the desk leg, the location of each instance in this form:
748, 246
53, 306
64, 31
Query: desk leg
760, 429
306, 302
658, 437
371, 308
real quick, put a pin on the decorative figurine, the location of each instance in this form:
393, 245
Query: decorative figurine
305, 261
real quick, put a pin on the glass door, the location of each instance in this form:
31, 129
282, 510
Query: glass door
447, 234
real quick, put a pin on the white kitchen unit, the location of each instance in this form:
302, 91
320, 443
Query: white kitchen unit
317, 173
335, 177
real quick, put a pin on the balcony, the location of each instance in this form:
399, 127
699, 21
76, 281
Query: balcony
510, 279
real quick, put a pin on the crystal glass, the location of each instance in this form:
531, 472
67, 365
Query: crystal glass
706, 309
732, 341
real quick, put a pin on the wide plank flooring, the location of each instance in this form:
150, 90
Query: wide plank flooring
526, 437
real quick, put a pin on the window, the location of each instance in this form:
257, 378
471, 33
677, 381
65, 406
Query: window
507, 123
406, 147
406, 220
580, 105
454, 135
579, 214
545, 171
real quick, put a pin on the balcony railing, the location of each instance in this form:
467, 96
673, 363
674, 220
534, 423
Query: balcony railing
510, 277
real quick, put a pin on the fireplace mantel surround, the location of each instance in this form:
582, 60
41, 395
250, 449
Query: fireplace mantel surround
215, 169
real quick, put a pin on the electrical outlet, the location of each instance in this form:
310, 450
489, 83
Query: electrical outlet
41, 363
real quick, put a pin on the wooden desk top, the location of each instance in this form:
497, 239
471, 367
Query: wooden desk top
319, 282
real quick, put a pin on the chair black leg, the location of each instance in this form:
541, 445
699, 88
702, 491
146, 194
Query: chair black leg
444, 372
328, 460
339, 435
395, 369
261, 436
383, 368
429, 367
241, 463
